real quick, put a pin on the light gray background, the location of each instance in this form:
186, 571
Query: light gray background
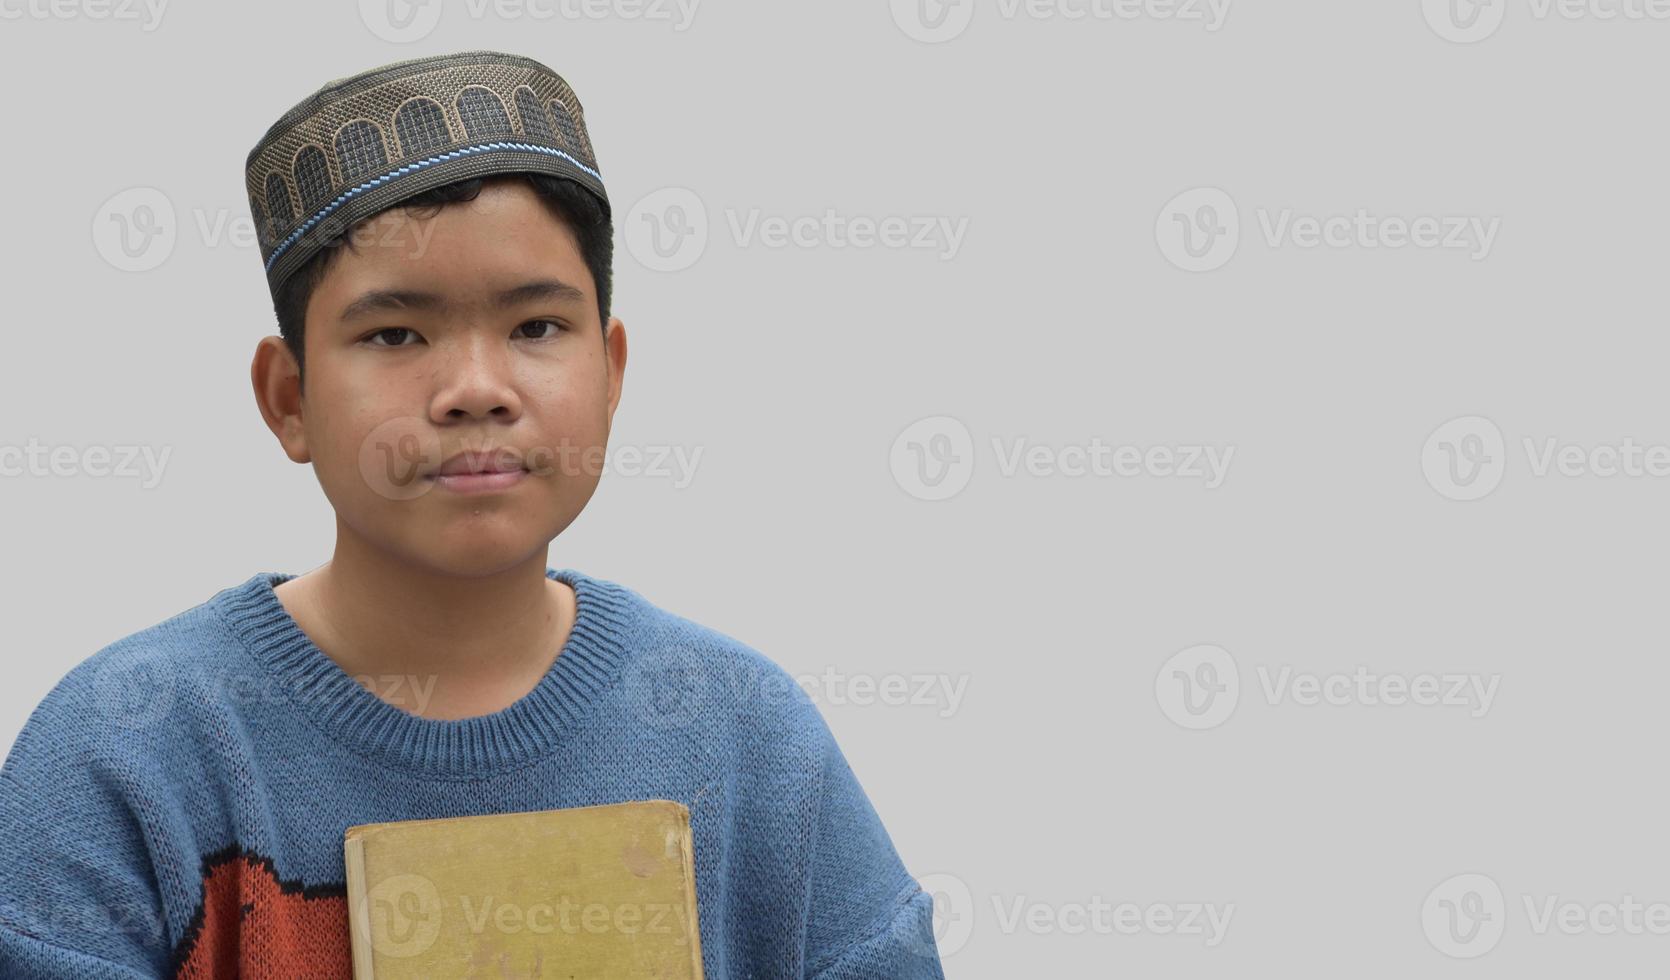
1061, 777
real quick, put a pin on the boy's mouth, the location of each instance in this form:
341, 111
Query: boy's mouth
498, 460
477, 471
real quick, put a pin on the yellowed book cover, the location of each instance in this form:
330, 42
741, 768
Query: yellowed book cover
589, 893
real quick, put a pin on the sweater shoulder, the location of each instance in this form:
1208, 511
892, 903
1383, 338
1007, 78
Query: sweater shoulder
662, 628
130, 685
701, 673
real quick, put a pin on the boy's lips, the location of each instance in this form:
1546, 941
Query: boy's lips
499, 459
480, 482
479, 471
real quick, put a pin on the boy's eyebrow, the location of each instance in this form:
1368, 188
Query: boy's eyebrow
413, 299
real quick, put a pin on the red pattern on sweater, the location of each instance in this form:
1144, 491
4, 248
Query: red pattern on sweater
253, 926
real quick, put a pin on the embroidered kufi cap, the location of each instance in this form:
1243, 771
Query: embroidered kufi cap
360, 145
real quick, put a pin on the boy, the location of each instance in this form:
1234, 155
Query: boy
437, 242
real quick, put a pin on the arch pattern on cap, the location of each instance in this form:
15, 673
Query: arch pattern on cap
482, 113
313, 178
360, 152
535, 124
420, 125
281, 210
350, 146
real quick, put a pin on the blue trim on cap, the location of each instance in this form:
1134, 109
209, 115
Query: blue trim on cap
408, 168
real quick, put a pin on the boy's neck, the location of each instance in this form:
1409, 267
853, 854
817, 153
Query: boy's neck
462, 647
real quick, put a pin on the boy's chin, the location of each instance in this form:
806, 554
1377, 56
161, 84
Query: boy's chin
479, 560
468, 544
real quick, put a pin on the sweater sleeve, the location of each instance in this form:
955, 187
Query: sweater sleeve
868, 919
26, 958
77, 894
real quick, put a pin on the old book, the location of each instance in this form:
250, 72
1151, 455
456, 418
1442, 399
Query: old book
589, 893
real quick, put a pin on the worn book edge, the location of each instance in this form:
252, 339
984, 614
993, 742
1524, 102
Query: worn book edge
353, 853
359, 938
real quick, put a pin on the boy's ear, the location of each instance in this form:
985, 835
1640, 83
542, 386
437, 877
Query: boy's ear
614, 349
277, 381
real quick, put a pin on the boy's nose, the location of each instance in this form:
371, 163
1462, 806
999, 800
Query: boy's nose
476, 381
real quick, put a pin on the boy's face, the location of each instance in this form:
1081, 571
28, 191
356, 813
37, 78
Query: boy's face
473, 330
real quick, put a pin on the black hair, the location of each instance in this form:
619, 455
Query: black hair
568, 202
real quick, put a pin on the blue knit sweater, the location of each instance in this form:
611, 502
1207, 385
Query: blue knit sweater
175, 806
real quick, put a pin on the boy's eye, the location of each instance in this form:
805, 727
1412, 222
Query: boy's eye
395, 336
391, 334
538, 328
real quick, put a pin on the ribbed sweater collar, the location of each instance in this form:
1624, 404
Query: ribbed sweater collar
537, 723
